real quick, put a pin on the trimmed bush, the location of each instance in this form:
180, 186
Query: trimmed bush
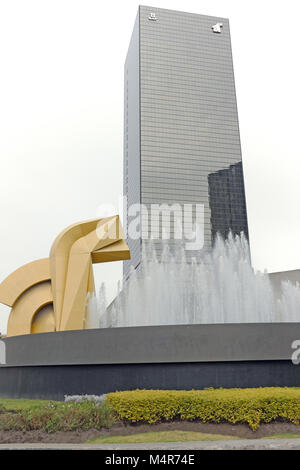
58, 417
252, 406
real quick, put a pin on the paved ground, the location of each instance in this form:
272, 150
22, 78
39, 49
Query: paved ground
249, 444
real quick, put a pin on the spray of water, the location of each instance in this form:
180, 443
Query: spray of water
215, 287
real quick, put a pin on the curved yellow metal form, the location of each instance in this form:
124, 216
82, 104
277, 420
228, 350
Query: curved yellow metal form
51, 294
26, 307
22, 279
59, 258
43, 321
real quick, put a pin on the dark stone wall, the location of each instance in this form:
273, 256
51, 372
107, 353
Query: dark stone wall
155, 344
51, 365
53, 382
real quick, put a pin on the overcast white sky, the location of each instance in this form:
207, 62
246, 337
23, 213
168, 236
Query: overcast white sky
61, 120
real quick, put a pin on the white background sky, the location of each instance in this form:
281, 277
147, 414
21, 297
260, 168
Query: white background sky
61, 120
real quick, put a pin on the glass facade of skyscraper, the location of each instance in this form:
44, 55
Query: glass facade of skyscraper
181, 131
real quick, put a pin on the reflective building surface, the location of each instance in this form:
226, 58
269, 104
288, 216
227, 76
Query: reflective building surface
181, 131
227, 201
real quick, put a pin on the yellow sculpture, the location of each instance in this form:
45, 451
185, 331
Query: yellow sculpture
51, 294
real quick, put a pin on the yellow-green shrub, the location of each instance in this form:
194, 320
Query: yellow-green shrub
250, 405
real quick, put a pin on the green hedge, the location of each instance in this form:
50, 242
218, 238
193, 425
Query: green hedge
252, 406
57, 416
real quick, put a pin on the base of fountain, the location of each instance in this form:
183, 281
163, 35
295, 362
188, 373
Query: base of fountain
51, 365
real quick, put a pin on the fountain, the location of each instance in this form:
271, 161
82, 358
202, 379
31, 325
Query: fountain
211, 321
218, 287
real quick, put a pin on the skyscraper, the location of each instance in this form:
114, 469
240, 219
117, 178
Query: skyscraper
181, 131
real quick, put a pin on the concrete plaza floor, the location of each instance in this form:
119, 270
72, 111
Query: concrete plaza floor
243, 444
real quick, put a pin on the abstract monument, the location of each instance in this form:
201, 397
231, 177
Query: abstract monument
51, 294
